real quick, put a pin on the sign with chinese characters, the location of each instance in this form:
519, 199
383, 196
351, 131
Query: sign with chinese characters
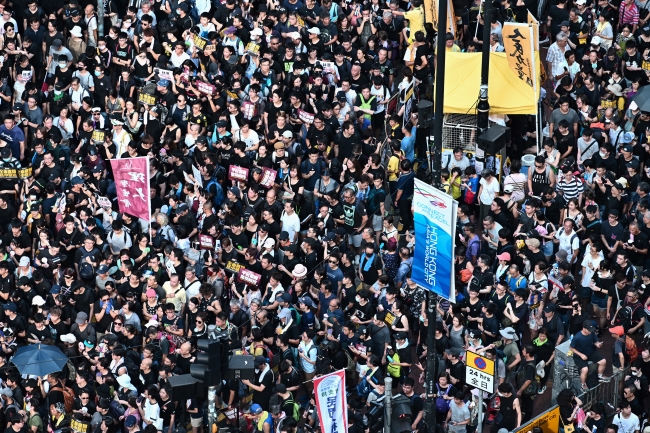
206, 241
199, 42
268, 177
331, 404
234, 266
79, 426
518, 42
252, 48
238, 173
98, 136
132, 181
145, 98
249, 277
549, 422
164, 74
389, 319
305, 116
15, 173
206, 88
479, 372
103, 201
211, 47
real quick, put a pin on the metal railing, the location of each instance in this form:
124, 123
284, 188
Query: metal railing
606, 393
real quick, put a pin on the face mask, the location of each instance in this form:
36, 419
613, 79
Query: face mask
257, 370
102, 47
97, 73
62, 64
57, 92
602, 154
178, 11
358, 299
29, 408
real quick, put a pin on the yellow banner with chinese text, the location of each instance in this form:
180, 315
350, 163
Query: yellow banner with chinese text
518, 43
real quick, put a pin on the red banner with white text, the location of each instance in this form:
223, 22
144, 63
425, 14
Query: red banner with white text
132, 184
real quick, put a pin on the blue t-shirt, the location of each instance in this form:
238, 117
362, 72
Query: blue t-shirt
408, 145
13, 137
406, 184
584, 343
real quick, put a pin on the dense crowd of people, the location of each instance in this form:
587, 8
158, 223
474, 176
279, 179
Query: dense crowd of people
281, 139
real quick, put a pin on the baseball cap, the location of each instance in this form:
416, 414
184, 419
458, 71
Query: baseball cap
130, 420
550, 308
618, 330
163, 83
103, 269
256, 409
259, 360
589, 325
10, 307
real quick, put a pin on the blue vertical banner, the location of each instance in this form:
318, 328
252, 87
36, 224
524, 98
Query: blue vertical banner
435, 226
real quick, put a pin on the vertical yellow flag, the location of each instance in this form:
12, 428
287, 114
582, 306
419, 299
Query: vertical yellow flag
533, 22
431, 15
518, 43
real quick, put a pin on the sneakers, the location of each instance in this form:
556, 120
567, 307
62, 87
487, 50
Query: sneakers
542, 390
585, 387
604, 379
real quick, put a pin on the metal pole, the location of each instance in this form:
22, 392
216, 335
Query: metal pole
479, 421
432, 360
100, 18
483, 107
440, 96
388, 403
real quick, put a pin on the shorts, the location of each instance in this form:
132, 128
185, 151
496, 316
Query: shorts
586, 292
600, 303
581, 363
355, 240
377, 223
196, 422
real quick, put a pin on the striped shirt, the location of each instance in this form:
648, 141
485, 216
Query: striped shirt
628, 15
571, 189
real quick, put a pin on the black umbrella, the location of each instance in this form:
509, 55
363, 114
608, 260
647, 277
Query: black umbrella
642, 98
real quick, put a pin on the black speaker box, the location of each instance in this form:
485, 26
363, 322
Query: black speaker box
185, 387
494, 139
241, 367
425, 114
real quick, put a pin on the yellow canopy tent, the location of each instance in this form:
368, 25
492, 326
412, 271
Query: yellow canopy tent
507, 94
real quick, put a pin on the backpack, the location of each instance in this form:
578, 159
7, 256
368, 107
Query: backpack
442, 405
86, 270
68, 397
625, 317
267, 353
534, 384
631, 351
296, 408
218, 196
470, 196
172, 344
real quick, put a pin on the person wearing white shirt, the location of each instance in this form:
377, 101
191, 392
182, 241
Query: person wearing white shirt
569, 240
150, 410
626, 421
179, 55
64, 124
290, 221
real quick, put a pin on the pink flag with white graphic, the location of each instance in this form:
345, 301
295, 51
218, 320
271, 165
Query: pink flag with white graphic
132, 183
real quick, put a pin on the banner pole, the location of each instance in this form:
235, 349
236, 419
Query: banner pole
535, 79
149, 195
480, 8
